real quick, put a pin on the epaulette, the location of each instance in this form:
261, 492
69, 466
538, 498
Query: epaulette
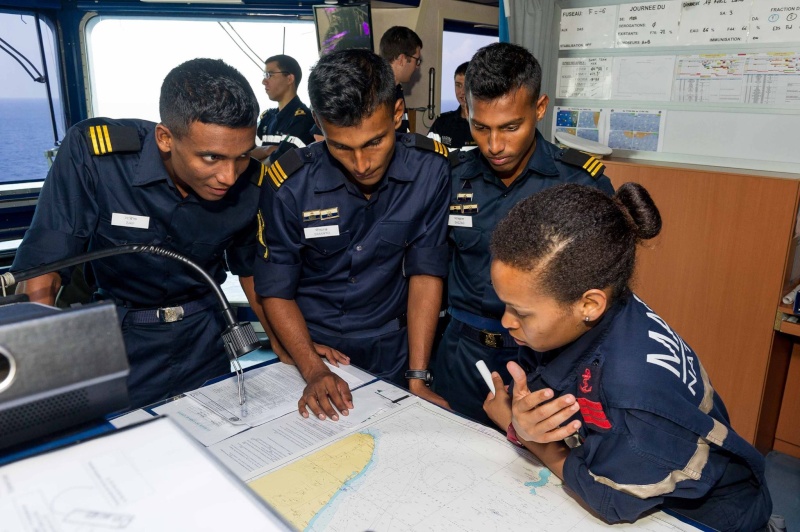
588, 162
280, 170
425, 143
257, 171
299, 112
104, 139
456, 157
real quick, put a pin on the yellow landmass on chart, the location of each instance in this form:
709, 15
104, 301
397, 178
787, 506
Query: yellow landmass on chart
300, 490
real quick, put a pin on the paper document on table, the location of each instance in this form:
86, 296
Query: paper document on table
152, 476
204, 424
271, 390
262, 449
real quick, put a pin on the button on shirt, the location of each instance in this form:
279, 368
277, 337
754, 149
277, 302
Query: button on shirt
83, 192
469, 284
347, 267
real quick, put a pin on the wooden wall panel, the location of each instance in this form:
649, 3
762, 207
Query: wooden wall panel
716, 271
787, 438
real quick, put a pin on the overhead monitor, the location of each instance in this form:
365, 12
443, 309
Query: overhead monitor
340, 27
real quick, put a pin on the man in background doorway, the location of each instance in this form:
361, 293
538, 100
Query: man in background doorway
289, 125
402, 48
452, 127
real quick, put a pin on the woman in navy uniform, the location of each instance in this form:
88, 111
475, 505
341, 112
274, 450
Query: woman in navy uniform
354, 237
185, 184
512, 162
614, 403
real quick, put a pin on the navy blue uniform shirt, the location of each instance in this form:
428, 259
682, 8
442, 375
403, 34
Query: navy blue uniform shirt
480, 200
85, 195
290, 127
452, 130
655, 433
342, 257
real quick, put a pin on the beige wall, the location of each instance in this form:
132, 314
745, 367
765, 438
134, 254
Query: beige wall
428, 22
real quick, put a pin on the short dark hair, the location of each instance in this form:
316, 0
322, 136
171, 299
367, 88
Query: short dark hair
461, 69
208, 91
288, 64
500, 68
576, 238
399, 40
349, 85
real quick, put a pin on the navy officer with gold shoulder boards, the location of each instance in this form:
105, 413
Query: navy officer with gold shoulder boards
512, 162
353, 237
186, 184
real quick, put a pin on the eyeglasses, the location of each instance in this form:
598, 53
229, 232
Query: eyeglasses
268, 74
417, 59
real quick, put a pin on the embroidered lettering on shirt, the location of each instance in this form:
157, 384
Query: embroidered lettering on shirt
680, 360
130, 220
321, 231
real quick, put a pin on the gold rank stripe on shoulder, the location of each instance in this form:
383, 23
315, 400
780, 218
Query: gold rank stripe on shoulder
440, 148
262, 171
101, 140
593, 166
277, 174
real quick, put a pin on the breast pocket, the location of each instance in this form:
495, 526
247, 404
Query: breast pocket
207, 253
322, 253
465, 238
394, 238
116, 235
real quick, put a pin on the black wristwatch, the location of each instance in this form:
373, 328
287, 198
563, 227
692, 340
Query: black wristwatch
423, 374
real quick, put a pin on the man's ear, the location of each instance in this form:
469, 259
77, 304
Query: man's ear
163, 138
399, 109
541, 107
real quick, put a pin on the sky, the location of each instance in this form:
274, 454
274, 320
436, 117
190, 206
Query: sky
20, 33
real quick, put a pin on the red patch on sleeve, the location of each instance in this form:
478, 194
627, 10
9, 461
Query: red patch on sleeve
593, 414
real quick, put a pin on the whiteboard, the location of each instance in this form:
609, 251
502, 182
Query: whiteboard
731, 99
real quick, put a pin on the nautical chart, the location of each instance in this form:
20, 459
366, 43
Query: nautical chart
421, 468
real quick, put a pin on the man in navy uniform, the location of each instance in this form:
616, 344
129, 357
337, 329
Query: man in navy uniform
185, 184
353, 237
452, 127
402, 48
288, 125
513, 161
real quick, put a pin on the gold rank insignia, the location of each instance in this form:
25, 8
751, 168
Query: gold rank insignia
471, 208
280, 170
464, 197
104, 139
299, 112
261, 239
456, 208
329, 214
310, 216
583, 160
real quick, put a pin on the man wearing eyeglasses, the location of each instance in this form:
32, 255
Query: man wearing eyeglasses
402, 48
289, 125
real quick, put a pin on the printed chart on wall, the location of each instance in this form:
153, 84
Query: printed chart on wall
754, 78
619, 129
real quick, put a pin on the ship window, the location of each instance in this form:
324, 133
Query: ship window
27, 133
128, 58
460, 41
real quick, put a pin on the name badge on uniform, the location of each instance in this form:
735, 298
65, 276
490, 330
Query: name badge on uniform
130, 220
321, 231
459, 221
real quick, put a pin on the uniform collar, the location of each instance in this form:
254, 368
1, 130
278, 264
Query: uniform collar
334, 177
541, 162
151, 168
559, 370
290, 107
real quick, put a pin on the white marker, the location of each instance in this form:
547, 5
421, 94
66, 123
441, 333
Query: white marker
484, 371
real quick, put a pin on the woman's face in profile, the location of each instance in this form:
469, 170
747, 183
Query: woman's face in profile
533, 318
